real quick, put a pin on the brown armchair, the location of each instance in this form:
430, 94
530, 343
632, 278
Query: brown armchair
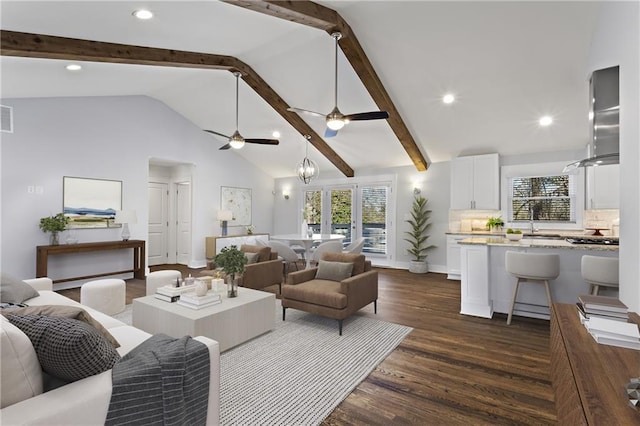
332, 289
266, 273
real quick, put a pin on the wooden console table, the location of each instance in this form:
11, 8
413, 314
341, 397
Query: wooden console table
138, 246
589, 379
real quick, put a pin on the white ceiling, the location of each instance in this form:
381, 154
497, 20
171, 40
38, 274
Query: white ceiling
507, 62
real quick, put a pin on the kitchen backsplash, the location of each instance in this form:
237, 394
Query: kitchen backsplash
470, 220
476, 220
607, 220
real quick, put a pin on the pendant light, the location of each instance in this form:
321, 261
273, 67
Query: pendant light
236, 141
307, 169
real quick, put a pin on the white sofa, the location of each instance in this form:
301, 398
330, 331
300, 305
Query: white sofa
86, 401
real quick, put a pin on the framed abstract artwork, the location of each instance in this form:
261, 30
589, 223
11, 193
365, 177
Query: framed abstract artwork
91, 203
238, 200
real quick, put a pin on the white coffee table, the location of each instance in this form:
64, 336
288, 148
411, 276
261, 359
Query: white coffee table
230, 323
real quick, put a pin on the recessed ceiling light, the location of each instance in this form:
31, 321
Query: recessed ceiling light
448, 98
275, 134
73, 67
545, 121
143, 14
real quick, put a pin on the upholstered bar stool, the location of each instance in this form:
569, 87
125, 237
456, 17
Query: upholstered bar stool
599, 272
531, 267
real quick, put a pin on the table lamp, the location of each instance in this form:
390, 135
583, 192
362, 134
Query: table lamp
125, 217
224, 216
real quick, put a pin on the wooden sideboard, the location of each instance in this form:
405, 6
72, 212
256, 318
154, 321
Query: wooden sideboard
213, 245
589, 379
139, 257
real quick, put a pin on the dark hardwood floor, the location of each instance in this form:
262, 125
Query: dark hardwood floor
451, 369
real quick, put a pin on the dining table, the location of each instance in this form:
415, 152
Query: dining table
306, 241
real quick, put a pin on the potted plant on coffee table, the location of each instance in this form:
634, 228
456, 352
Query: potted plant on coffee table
54, 224
417, 236
232, 261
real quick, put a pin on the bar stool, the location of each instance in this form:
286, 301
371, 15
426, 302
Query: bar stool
599, 271
531, 267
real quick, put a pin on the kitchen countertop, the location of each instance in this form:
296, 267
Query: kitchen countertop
537, 242
575, 233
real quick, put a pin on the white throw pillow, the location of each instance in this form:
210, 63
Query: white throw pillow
20, 370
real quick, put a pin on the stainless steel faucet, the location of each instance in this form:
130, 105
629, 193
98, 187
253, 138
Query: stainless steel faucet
531, 228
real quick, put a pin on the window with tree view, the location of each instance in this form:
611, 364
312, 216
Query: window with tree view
542, 198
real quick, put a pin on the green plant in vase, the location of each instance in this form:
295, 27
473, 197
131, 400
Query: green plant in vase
417, 237
495, 223
232, 261
54, 224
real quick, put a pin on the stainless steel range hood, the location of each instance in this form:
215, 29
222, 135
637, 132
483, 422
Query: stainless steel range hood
604, 119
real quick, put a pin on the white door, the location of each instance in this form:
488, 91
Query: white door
183, 223
158, 223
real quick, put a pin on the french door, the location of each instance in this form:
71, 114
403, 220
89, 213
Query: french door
353, 211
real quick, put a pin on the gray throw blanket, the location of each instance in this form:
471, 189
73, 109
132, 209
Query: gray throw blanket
163, 381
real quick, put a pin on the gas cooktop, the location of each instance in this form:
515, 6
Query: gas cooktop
601, 241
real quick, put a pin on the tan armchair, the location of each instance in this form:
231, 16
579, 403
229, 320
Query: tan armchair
332, 289
266, 273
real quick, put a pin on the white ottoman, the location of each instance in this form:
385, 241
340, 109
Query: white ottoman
106, 296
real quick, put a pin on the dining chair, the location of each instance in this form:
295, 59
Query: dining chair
334, 246
355, 246
287, 254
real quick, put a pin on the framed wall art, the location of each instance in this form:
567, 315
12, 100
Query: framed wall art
91, 203
238, 200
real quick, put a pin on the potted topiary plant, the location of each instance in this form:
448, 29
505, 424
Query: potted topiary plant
232, 261
417, 237
495, 223
54, 224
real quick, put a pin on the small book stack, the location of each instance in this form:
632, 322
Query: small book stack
190, 300
590, 306
614, 333
172, 294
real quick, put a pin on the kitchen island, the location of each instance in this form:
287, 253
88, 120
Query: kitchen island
486, 287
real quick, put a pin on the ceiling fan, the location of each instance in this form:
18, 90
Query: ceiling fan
335, 119
236, 140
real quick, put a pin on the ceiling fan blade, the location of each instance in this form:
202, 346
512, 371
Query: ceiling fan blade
263, 141
227, 146
216, 133
329, 133
305, 111
373, 115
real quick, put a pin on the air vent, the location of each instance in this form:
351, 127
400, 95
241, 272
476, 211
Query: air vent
6, 116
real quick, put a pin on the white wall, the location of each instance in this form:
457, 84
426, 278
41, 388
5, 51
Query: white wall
434, 184
616, 41
109, 138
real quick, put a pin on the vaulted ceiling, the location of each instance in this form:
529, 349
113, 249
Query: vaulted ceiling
508, 63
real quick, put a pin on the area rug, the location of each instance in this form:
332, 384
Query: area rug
299, 373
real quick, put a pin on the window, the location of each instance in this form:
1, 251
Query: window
312, 210
542, 198
374, 218
356, 210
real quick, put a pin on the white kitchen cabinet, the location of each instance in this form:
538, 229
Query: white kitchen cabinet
475, 290
603, 187
475, 182
453, 256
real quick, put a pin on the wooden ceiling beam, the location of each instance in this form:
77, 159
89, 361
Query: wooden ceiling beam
51, 47
321, 17
302, 12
